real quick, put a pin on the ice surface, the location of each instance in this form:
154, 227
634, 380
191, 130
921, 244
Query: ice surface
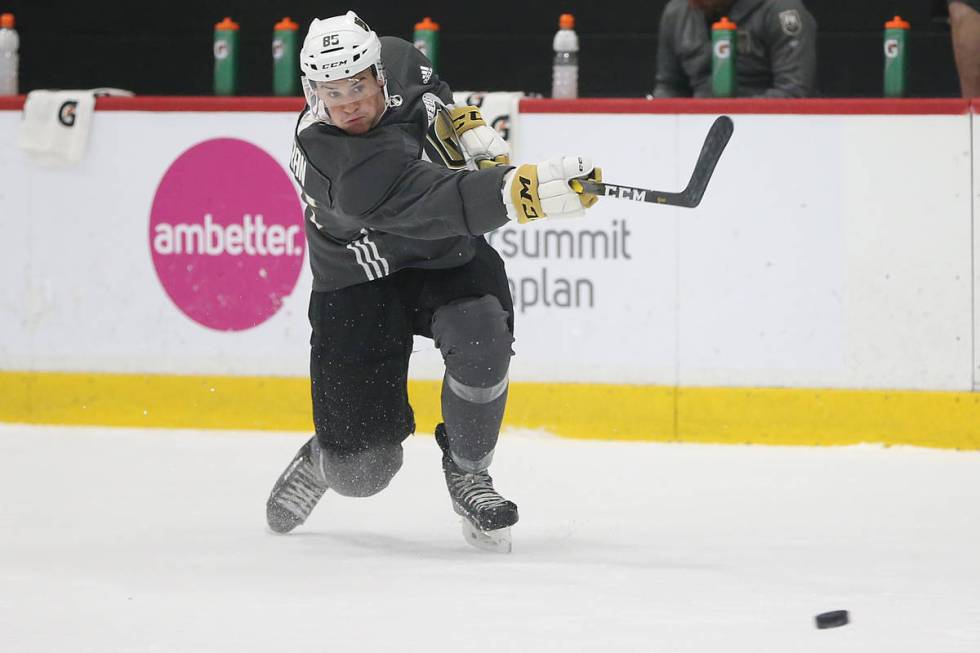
130, 540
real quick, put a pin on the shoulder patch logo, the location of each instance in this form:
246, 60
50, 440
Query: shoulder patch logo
791, 22
426, 74
395, 101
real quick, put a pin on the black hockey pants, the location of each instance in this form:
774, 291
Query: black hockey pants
360, 348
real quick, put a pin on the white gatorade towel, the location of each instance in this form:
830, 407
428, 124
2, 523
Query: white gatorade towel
56, 124
499, 108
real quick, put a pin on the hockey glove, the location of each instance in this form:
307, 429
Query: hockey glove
459, 138
441, 141
549, 189
480, 142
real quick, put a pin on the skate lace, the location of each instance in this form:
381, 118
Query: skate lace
301, 492
476, 490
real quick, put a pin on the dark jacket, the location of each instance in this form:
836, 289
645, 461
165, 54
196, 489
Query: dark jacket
777, 50
373, 206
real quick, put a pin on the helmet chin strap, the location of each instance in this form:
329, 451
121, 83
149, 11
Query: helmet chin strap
379, 70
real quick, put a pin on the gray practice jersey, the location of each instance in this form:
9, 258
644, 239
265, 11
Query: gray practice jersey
373, 206
776, 50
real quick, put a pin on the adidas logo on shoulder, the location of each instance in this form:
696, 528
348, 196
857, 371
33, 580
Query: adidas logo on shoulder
426, 74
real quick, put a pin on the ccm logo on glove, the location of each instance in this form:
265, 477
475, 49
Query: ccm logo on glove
549, 189
530, 205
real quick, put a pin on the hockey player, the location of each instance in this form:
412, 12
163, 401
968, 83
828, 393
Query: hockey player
399, 187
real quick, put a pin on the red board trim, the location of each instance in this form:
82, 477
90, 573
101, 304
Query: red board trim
11, 102
165, 103
828, 106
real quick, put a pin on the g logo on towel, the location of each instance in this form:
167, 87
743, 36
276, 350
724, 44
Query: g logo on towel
502, 125
66, 113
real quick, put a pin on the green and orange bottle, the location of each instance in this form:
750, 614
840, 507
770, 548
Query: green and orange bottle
896, 57
226, 57
426, 39
285, 58
723, 51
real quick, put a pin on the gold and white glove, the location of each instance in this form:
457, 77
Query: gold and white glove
481, 144
549, 189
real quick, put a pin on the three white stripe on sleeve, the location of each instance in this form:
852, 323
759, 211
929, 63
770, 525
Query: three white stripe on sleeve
366, 252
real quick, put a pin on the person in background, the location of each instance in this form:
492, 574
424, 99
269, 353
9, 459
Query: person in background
776, 56
964, 19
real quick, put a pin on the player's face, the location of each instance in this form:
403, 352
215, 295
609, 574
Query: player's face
355, 103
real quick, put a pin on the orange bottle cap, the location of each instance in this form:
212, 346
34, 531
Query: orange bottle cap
227, 24
724, 23
566, 21
7, 21
898, 23
286, 23
427, 24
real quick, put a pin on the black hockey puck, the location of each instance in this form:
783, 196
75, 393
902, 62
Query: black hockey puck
832, 619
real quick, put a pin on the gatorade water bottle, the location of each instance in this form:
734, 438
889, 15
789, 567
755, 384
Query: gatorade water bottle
225, 57
564, 73
9, 43
285, 58
723, 34
427, 40
896, 57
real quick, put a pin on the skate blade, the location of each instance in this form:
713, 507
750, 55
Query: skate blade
497, 541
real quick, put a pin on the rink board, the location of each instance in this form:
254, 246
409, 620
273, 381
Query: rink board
777, 416
975, 197
824, 292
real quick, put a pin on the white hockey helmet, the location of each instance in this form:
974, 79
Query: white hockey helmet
337, 48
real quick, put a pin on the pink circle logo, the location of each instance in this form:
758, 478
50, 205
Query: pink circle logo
226, 234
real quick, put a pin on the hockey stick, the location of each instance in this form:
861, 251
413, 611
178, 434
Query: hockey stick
714, 144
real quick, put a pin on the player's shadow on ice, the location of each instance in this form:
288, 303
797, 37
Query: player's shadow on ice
436, 548
447, 546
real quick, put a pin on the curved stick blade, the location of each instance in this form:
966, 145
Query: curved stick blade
714, 144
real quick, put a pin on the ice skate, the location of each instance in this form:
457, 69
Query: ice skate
486, 516
296, 492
